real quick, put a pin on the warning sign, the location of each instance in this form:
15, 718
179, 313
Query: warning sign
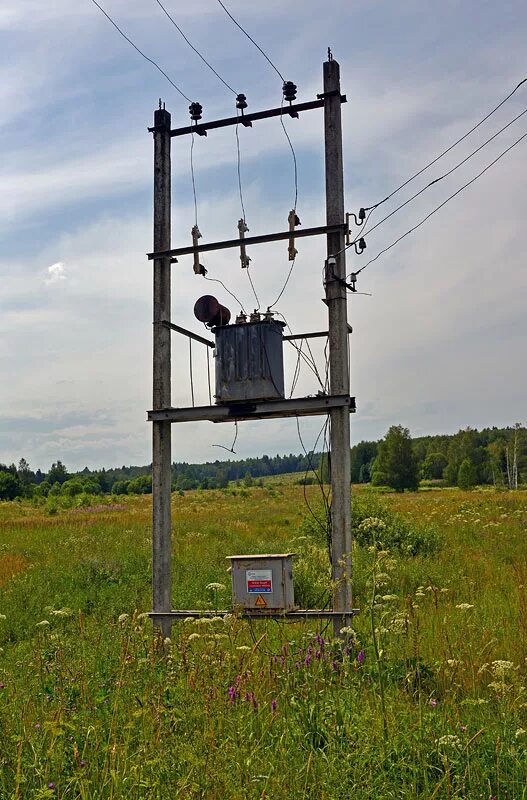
260, 601
259, 580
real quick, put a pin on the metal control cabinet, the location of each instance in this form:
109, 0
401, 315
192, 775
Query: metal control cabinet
263, 582
249, 362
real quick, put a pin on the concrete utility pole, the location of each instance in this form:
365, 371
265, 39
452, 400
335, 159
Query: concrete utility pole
338, 347
161, 431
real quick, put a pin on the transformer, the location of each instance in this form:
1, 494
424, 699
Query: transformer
249, 361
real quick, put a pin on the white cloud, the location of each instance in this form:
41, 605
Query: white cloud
55, 273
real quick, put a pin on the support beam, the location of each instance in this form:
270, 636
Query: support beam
262, 239
161, 395
266, 409
298, 615
338, 349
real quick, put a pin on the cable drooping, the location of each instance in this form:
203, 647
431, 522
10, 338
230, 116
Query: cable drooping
451, 197
154, 63
282, 290
176, 26
451, 147
295, 167
252, 40
193, 178
231, 448
441, 177
191, 371
217, 280
326, 529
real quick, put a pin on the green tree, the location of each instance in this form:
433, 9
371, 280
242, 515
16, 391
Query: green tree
433, 466
9, 485
57, 473
396, 464
466, 476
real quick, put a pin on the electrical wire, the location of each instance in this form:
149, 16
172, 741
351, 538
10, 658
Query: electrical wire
311, 364
252, 40
285, 284
174, 23
193, 178
295, 166
191, 371
247, 268
451, 197
151, 60
327, 527
231, 448
239, 166
441, 177
217, 280
448, 149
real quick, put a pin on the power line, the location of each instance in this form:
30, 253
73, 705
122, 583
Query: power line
441, 177
458, 141
176, 26
252, 40
451, 197
154, 63
193, 179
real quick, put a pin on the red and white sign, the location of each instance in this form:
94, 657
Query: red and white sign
259, 581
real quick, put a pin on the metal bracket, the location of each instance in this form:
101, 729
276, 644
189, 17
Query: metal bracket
243, 229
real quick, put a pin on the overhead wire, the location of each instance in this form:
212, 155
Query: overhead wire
151, 60
231, 448
448, 149
195, 49
437, 208
441, 177
252, 40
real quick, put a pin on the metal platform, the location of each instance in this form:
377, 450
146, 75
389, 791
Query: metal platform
298, 615
268, 409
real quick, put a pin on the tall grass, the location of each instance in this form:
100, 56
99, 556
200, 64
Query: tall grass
92, 706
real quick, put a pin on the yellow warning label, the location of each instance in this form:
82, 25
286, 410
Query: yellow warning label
261, 601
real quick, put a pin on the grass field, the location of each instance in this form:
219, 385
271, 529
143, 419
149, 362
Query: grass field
426, 699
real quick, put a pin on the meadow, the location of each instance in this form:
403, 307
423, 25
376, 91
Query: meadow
426, 697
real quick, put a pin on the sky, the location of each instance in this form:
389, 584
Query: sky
439, 344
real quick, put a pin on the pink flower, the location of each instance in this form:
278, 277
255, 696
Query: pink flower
361, 656
433, 702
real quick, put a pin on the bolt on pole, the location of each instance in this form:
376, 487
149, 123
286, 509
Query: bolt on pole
338, 349
161, 430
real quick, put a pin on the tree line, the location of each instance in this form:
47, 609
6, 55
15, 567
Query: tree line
494, 456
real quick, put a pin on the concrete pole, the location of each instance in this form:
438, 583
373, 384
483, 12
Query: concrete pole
338, 349
161, 431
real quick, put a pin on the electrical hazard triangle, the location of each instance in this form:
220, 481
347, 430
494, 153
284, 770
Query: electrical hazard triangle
260, 601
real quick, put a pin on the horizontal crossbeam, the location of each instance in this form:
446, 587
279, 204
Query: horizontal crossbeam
263, 239
190, 334
299, 614
265, 409
201, 128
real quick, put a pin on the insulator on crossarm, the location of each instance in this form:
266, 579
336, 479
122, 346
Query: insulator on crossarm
241, 102
195, 111
289, 90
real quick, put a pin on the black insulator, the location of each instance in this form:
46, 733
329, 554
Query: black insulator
289, 90
241, 101
362, 214
362, 244
195, 111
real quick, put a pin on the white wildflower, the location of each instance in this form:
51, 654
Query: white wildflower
464, 606
243, 648
194, 636
42, 624
449, 741
216, 587
520, 732
122, 618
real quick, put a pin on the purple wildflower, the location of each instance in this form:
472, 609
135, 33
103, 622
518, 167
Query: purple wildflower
318, 655
2, 685
37, 725
463, 728
82, 763
361, 656
307, 660
273, 705
320, 641
433, 702
51, 785
232, 693
334, 666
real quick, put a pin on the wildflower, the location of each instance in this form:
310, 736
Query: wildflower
334, 666
274, 705
3, 616
42, 623
62, 612
450, 740
82, 763
51, 785
464, 606
500, 668
433, 702
520, 732
232, 691
243, 648
2, 685
347, 631
194, 636
122, 618
361, 655
463, 728
215, 587
37, 725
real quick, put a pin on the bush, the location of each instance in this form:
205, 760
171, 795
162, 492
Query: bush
393, 533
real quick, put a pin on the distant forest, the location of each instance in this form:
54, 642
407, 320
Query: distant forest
497, 456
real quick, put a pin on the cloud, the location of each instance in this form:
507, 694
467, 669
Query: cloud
56, 273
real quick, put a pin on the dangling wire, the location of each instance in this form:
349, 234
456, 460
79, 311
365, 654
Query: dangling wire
208, 374
295, 166
217, 280
231, 448
193, 179
191, 371
239, 166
